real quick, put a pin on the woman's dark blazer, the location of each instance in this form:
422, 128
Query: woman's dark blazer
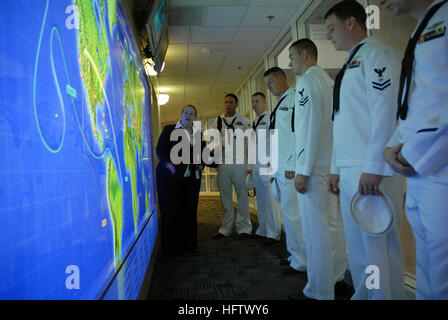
164, 147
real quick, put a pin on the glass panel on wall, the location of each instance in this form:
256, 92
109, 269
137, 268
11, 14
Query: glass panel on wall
214, 183
283, 57
283, 63
253, 85
278, 58
256, 85
203, 124
259, 79
203, 183
240, 101
253, 89
247, 98
329, 58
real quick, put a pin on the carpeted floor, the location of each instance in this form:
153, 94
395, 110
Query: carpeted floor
229, 269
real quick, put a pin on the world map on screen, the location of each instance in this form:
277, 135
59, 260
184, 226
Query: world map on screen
76, 160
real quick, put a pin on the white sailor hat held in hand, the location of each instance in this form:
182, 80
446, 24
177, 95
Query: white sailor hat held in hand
275, 190
374, 215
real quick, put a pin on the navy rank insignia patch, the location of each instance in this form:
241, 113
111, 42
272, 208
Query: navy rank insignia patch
239, 123
354, 64
380, 72
381, 84
304, 100
431, 35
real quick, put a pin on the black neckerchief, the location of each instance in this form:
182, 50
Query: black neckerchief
338, 81
407, 65
254, 126
272, 122
231, 124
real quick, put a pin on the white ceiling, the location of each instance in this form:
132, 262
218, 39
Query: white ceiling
207, 59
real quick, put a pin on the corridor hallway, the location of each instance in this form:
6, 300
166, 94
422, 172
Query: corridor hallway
225, 269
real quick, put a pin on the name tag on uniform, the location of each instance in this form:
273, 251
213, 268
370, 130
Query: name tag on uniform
284, 108
263, 123
431, 35
239, 123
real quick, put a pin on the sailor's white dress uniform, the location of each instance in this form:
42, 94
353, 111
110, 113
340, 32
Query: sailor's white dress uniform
234, 174
362, 127
424, 134
321, 221
268, 209
283, 159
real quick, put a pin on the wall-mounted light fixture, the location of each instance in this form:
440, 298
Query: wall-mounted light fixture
163, 99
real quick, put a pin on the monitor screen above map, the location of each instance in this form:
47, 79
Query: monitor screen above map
157, 29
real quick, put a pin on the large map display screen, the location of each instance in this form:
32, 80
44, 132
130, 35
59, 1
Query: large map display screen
76, 162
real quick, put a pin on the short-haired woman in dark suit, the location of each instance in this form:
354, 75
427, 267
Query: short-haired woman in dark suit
178, 185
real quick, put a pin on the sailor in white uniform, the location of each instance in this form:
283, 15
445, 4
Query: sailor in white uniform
321, 221
364, 104
419, 148
268, 209
283, 163
234, 173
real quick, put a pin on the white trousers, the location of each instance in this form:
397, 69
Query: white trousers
364, 250
269, 218
292, 221
324, 239
228, 175
427, 212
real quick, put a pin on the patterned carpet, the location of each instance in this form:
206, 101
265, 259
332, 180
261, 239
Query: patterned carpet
225, 269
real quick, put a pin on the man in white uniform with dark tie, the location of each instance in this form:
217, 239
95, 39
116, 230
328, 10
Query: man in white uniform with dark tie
268, 209
233, 174
419, 148
283, 163
321, 221
364, 104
